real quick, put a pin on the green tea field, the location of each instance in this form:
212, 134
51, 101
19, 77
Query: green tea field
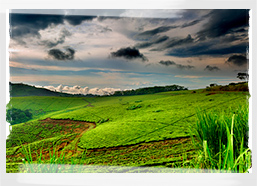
152, 130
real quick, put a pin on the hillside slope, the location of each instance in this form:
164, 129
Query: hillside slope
21, 90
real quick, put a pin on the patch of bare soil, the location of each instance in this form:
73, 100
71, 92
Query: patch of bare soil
70, 126
146, 145
77, 126
211, 93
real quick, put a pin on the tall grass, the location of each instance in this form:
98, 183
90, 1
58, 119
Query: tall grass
224, 140
57, 162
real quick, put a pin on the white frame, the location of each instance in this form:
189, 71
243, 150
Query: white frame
120, 178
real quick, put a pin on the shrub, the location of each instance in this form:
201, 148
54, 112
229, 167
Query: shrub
133, 107
14, 116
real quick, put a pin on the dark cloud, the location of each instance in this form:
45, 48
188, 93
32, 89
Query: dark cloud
60, 55
182, 67
207, 48
152, 42
191, 23
237, 60
167, 63
192, 14
24, 24
77, 20
211, 68
128, 53
224, 21
155, 31
102, 18
174, 43
231, 38
64, 33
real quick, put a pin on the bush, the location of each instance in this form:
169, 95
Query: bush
133, 107
14, 116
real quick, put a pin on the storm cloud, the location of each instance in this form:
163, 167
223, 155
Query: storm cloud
207, 48
150, 33
167, 63
128, 53
77, 20
170, 63
60, 55
237, 60
211, 68
191, 23
176, 42
182, 67
224, 21
24, 24
152, 42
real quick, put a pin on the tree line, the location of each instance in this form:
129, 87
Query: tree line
149, 90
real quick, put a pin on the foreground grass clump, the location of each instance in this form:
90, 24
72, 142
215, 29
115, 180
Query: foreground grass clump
56, 162
224, 139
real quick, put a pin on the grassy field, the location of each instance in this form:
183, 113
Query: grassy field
155, 130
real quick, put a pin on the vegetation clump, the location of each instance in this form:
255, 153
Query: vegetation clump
133, 107
242, 86
14, 116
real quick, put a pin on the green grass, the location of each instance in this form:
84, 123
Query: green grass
40, 105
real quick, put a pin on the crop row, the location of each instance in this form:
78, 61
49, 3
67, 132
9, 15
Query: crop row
156, 120
38, 130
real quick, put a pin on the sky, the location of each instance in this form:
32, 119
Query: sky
102, 51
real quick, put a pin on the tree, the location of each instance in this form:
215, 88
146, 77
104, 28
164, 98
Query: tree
213, 84
243, 76
14, 116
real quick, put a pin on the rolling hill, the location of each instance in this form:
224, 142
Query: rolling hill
21, 90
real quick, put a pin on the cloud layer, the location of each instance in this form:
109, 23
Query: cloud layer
82, 90
95, 49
